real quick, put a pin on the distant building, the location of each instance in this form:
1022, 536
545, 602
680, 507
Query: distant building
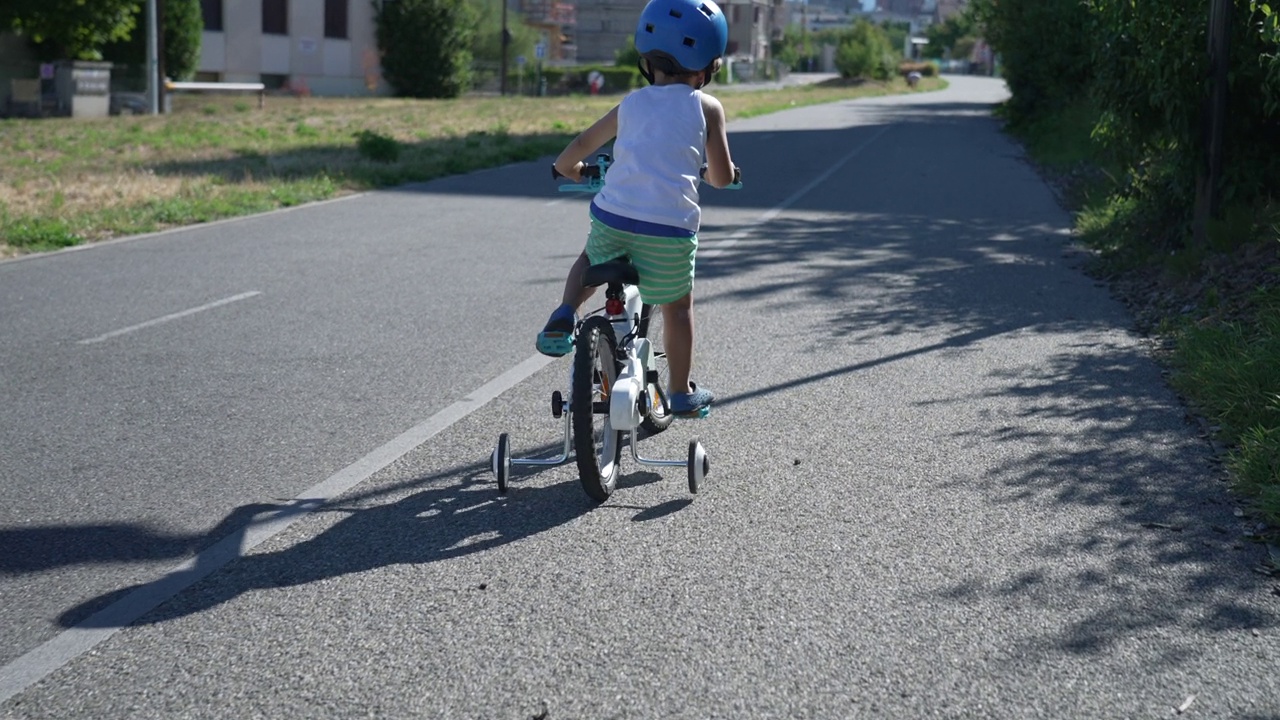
753, 24
605, 26
948, 8
322, 47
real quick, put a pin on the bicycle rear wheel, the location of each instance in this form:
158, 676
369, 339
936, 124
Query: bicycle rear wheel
659, 416
596, 444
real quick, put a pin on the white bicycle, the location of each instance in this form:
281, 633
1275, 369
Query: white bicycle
617, 385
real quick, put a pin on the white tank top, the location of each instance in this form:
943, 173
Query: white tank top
657, 156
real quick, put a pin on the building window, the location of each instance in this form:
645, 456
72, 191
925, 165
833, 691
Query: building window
272, 81
211, 11
275, 17
335, 19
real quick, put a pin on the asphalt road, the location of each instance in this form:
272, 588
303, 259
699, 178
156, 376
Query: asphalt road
244, 466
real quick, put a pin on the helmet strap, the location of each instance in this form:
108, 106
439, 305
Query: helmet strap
646, 70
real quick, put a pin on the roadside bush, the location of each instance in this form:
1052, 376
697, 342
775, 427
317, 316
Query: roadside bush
864, 52
183, 24
426, 46
1045, 50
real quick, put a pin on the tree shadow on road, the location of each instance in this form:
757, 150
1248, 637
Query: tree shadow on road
1094, 431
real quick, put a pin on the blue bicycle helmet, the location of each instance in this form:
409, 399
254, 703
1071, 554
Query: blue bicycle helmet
690, 33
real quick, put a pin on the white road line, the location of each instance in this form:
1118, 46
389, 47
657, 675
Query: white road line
719, 247
37, 663
167, 318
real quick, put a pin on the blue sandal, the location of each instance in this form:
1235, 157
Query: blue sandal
694, 405
556, 339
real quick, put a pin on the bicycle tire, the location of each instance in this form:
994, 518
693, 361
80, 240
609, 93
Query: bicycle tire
596, 444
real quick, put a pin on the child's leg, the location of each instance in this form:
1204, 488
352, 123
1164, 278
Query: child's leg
556, 338
574, 293
677, 337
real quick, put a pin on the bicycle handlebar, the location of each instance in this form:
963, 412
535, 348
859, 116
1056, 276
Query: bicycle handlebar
593, 176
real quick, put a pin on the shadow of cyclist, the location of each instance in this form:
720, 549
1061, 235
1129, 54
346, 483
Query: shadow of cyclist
439, 522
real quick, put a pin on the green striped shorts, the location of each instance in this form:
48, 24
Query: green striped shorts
665, 264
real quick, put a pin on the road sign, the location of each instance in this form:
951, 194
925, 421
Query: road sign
540, 51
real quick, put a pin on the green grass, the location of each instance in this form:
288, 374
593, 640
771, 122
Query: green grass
1225, 356
65, 182
1231, 372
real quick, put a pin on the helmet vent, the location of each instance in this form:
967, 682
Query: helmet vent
676, 14
648, 28
706, 10
689, 42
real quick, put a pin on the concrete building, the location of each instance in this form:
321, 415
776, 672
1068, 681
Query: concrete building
322, 47
753, 25
605, 26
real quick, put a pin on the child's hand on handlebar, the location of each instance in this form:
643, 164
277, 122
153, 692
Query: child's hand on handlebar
574, 173
579, 173
737, 176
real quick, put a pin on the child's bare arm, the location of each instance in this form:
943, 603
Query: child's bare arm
593, 138
719, 164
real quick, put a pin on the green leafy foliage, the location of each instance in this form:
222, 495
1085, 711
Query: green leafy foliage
1044, 47
1269, 24
953, 37
183, 24
70, 29
864, 52
627, 56
426, 46
39, 234
486, 45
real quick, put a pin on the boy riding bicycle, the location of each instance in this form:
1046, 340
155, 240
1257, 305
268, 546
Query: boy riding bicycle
648, 209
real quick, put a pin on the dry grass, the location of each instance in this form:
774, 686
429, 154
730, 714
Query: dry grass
64, 182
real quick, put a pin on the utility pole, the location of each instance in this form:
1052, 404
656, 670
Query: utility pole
153, 60
506, 40
1213, 122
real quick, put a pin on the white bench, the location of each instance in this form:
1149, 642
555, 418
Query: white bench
259, 88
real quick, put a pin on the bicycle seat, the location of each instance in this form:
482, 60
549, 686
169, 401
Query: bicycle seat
612, 271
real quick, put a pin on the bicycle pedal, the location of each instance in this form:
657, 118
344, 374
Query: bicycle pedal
555, 344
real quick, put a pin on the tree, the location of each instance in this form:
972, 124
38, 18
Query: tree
864, 52
70, 29
627, 55
944, 37
1045, 48
426, 46
486, 45
182, 26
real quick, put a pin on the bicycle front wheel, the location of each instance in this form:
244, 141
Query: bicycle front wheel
596, 444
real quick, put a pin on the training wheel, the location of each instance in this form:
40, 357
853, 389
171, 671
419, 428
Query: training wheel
557, 405
699, 465
502, 462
